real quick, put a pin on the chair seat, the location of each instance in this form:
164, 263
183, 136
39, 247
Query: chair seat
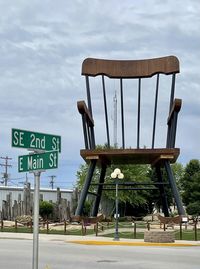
131, 156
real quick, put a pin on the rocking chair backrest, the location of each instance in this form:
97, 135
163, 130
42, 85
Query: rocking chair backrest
130, 69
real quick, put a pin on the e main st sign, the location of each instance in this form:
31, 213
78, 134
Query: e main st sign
38, 162
35, 141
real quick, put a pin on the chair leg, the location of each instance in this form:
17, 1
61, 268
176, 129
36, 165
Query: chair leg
174, 188
99, 191
85, 189
163, 195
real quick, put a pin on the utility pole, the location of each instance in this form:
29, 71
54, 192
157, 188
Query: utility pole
52, 181
6, 165
25, 183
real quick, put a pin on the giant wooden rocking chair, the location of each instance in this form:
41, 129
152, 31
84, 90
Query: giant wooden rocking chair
158, 157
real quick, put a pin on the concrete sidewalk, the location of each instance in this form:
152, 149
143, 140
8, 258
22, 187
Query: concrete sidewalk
94, 240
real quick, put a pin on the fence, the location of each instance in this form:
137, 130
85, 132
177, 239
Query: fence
133, 230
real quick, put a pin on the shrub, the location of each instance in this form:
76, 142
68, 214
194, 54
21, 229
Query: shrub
46, 208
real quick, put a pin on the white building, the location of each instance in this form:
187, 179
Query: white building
47, 194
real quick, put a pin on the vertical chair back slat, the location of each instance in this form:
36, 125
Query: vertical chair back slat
122, 112
138, 115
88, 125
155, 111
106, 111
88, 94
170, 131
85, 131
172, 91
174, 130
91, 136
172, 123
169, 134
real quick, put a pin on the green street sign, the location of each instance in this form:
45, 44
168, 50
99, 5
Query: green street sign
35, 141
38, 162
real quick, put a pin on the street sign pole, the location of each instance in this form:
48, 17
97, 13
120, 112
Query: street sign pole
45, 149
36, 219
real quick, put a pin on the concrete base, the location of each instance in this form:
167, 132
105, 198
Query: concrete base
159, 236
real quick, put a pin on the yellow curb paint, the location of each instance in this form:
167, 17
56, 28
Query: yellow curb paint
101, 243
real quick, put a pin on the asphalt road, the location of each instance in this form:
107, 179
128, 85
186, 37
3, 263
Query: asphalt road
17, 254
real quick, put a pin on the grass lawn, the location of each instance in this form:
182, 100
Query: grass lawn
128, 235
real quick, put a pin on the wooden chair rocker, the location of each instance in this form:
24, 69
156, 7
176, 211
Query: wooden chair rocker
130, 77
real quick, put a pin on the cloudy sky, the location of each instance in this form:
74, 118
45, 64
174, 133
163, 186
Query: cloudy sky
43, 44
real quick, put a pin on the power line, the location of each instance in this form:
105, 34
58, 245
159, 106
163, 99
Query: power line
6, 165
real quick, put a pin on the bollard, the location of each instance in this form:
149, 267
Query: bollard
96, 228
134, 230
148, 226
195, 231
47, 222
83, 229
65, 226
1, 224
181, 234
15, 225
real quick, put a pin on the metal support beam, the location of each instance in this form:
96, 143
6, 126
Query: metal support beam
130, 183
163, 195
129, 189
85, 189
99, 191
172, 182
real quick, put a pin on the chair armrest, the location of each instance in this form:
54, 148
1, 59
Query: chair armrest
82, 108
176, 106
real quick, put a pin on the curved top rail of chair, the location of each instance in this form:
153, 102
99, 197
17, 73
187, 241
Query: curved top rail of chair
130, 68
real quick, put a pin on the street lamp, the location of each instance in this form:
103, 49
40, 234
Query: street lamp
116, 175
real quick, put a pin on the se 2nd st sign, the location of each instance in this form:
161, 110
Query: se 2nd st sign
35, 141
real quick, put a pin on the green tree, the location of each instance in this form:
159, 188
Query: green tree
194, 209
87, 208
45, 209
132, 173
178, 171
190, 182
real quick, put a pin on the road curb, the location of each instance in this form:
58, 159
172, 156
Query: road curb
118, 243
